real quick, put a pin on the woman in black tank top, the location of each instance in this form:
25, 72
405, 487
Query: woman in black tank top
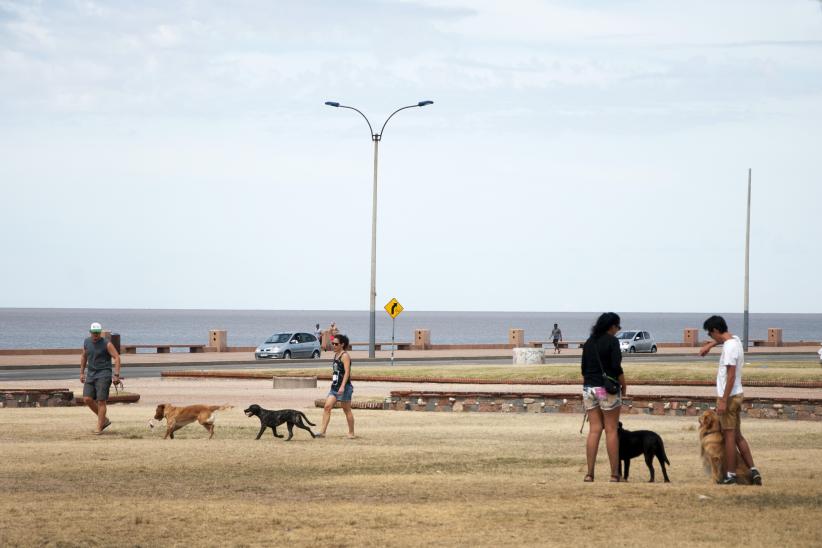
341, 388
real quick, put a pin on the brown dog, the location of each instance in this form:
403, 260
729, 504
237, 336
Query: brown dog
713, 450
177, 417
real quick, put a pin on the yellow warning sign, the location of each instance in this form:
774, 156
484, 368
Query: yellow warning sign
394, 308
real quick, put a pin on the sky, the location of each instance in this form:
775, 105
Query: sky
580, 155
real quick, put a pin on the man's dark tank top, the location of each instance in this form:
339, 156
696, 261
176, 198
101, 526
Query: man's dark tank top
98, 360
338, 372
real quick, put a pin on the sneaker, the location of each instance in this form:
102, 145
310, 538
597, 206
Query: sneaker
756, 477
729, 480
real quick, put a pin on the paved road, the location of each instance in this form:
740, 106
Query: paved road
150, 371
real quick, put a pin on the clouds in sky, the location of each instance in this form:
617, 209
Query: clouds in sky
579, 155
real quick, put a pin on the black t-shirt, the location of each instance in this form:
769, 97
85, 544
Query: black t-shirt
607, 346
338, 372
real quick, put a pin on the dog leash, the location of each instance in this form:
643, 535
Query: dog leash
120, 384
584, 418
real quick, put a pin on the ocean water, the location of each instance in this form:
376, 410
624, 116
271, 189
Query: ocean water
66, 328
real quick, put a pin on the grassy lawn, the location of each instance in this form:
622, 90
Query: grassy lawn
410, 479
696, 370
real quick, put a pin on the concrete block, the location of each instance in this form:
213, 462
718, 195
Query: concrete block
690, 337
516, 337
294, 382
218, 339
529, 356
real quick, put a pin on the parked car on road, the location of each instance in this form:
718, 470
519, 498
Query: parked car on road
635, 340
289, 345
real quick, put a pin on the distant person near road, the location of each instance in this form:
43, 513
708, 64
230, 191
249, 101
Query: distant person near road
341, 388
319, 334
556, 337
601, 354
97, 356
330, 333
729, 396
820, 355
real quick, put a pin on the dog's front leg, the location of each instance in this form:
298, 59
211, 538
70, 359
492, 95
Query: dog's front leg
260, 433
627, 468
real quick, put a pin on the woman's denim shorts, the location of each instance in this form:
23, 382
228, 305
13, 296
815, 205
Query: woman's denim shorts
345, 395
596, 396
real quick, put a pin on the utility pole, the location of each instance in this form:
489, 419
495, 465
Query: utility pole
746, 323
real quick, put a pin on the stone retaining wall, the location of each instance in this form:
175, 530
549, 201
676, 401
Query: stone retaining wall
675, 406
54, 397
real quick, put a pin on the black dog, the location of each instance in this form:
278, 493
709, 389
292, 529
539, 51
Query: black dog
641, 442
272, 419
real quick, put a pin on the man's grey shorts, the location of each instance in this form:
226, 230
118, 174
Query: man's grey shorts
97, 389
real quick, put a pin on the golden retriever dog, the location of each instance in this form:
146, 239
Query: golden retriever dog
713, 450
177, 417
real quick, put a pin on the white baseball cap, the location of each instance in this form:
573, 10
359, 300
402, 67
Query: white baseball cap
95, 328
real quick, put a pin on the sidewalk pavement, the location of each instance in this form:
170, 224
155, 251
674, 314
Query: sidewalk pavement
239, 357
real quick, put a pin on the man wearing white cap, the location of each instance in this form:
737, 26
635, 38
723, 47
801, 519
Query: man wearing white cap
97, 355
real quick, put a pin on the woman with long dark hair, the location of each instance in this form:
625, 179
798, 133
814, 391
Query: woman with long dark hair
601, 354
341, 388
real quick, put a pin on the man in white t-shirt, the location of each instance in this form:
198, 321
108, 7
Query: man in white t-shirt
729, 396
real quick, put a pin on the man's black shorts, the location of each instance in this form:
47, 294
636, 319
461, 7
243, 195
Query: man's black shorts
97, 389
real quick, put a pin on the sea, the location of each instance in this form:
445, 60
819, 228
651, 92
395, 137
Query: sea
67, 327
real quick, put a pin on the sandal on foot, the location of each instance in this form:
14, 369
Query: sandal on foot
319, 435
588, 478
106, 425
615, 479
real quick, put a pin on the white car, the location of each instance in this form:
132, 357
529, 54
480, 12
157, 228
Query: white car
289, 345
635, 340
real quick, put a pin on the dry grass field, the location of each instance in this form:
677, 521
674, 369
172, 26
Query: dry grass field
646, 371
410, 479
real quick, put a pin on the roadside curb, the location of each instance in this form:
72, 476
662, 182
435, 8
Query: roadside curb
248, 375
433, 359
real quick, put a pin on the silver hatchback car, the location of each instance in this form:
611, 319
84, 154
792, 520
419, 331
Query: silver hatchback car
289, 345
634, 340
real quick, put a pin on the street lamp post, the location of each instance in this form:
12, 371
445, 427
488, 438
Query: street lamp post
376, 138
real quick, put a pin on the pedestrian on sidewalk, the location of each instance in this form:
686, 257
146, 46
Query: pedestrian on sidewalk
601, 356
97, 356
729, 396
556, 336
319, 334
341, 388
328, 336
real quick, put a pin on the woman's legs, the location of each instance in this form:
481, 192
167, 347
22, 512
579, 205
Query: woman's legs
594, 435
329, 405
612, 439
349, 416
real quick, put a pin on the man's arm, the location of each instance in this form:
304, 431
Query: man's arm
116, 356
722, 404
707, 347
83, 365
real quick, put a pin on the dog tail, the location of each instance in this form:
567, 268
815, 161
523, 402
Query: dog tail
306, 418
221, 407
661, 453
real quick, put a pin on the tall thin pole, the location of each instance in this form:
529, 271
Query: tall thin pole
747, 263
372, 325
376, 137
